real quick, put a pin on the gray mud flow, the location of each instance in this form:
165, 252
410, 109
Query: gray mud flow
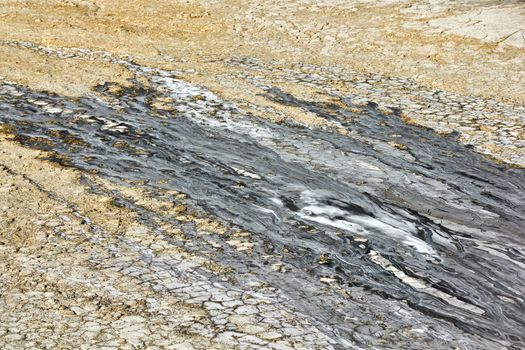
417, 228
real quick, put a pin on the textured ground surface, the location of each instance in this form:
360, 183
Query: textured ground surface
301, 174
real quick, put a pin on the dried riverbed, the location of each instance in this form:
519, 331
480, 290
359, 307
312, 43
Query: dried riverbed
349, 229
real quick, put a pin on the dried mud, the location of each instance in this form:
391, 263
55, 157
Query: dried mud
284, 176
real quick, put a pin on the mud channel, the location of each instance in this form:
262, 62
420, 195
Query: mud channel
379, 232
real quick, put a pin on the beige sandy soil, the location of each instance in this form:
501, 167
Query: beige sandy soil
473, 49
466, 47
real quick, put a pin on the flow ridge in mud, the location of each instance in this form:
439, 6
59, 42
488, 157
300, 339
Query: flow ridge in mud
381, 233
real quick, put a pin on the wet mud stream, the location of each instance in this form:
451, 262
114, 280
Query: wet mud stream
368, 229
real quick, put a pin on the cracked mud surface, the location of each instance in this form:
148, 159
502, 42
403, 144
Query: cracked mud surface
218, 202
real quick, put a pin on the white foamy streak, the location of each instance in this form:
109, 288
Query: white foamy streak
421, 285
383, 223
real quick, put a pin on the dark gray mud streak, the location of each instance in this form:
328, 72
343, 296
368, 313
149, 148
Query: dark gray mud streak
431, 235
